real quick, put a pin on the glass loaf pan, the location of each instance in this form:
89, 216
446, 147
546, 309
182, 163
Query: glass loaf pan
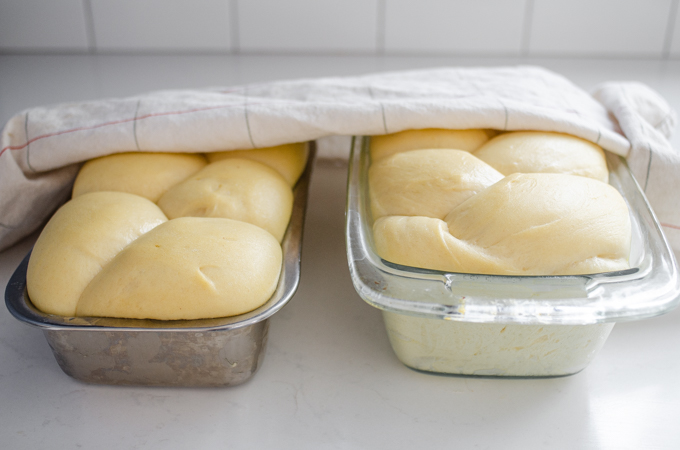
208, 352
495, 325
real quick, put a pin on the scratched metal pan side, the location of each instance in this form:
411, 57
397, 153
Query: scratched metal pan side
161, 358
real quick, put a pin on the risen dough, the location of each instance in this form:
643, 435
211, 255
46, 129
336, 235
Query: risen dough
544, 152
426, 242
81, 237
146, 174
188, 268
426, 182
238, 189
289, 159
526, 224
403, 141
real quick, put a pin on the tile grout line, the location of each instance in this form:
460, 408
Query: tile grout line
670, 29
89, 26
234, 33
526, 27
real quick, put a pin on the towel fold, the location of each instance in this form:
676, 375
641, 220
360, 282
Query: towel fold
42, 148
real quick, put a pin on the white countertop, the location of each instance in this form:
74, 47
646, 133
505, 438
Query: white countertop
329, 378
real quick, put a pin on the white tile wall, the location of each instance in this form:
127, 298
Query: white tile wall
308, 25
599, 27
161, 25
482, 26
617, 28
675, 38
42, 25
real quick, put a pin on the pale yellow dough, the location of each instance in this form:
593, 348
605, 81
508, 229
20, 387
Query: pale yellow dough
426, 242
544, 152
187, 268
526, 224
403, 141
426, 182
238, 189
81, 237
288, 159
146, 174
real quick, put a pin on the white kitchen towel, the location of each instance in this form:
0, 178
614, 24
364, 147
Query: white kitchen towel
42, 148
648, 121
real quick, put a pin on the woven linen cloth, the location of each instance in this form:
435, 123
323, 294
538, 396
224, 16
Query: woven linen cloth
42, 148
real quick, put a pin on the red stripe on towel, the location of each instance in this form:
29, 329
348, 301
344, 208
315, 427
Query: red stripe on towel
668, 225
116, 122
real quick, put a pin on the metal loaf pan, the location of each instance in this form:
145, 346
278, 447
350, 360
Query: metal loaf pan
209, 352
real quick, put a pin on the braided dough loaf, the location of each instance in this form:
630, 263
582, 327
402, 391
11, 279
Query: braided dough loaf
522, 224
111, 253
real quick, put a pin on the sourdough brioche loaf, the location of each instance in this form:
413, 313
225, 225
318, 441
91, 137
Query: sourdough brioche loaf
522, 224
526, 224
97, 255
